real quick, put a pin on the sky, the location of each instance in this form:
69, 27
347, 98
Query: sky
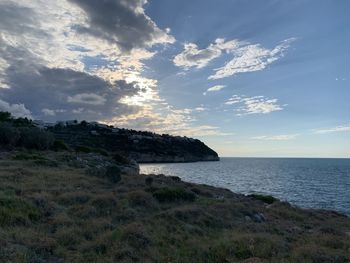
247, 77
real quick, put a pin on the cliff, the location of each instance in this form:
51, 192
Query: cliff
143, 147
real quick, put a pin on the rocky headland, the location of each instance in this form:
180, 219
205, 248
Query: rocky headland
141, 146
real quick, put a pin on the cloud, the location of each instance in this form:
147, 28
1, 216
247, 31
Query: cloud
251, 58
285, 137
334, 129
192, 56
122, 22
254, 105
246, 57
85, 59
42, 89
168, 120
17, 110
214, 88
48, 112
87, 98
46, 66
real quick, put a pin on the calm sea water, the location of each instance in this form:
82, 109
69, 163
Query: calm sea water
315, 183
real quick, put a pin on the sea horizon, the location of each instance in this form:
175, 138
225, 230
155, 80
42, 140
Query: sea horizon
319, 183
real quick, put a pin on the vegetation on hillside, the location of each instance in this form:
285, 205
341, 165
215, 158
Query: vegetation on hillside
78, 207
20, 132
142, 146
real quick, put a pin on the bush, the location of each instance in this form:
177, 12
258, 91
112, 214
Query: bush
8, 134
5, 116
34, 138
100, 151
173, 194
268, 199
113, 173
120, 159
135, 235
140, 198
148, 180
60, 146
83, 149
22, 122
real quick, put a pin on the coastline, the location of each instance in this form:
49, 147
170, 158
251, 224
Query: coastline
298, 181
86, 208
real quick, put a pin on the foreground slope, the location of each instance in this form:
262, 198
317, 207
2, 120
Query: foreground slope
63, 207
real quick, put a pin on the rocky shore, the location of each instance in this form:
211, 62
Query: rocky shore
153, 158
69, 207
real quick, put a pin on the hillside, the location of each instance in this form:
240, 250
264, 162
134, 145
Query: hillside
143, 147
68, 207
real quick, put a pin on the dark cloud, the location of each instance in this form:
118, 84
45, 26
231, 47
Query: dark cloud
120, 21
63, 93
35, 88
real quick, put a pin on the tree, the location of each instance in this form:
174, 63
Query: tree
5, 116
8, 134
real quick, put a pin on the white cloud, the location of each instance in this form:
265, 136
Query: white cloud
87, 98
192, 56
251, 58
284, 137
48, 112
254, 105
168, 120
17, 110
214, 88
334, 129
247, 57
200, 109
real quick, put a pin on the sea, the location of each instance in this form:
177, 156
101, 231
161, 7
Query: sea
306, 182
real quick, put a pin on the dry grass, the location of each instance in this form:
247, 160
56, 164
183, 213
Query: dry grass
62, 213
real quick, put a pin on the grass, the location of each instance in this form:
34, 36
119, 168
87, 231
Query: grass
16, 211
172, 194
64, 214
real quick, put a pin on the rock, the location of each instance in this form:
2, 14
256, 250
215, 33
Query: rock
259, 218
219, 197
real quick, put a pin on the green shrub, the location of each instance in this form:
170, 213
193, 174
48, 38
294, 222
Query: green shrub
140, 198
5, 116
120, 159
16, 211
113, 173
83, 149
22, 122
8, 134
59, 145
148, 180
268, 199
173, 194
35, 138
